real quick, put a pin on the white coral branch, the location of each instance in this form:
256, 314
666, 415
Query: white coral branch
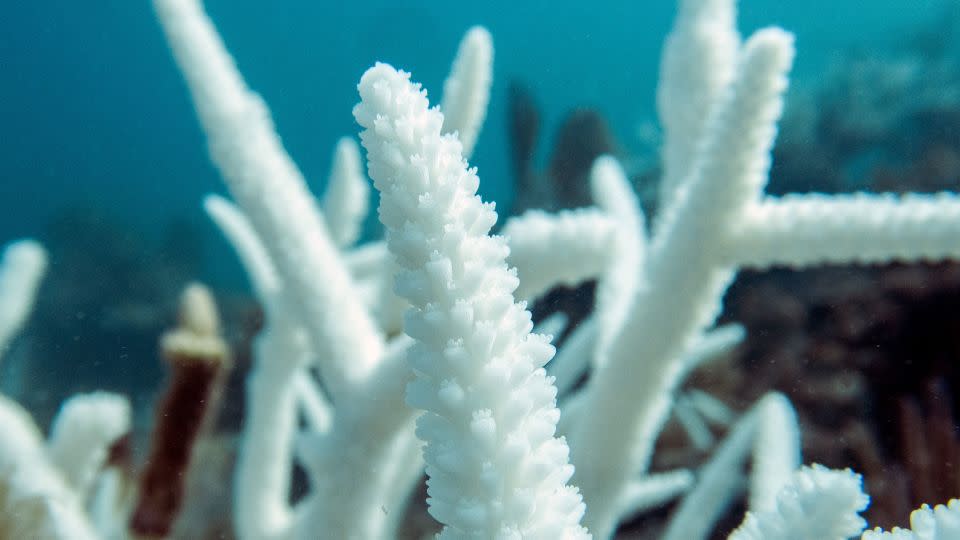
699, 60
495, 468
273, 194
654, 490
81, 436
21, 270
816, 504
804, 230
941, 522
346, 200
35, 501
466, 91
682, 287
563, 248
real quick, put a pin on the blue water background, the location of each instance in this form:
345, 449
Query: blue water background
94, 112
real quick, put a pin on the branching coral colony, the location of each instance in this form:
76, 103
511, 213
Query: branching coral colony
502, 460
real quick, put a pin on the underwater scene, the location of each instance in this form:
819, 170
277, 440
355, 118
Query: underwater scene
676, 269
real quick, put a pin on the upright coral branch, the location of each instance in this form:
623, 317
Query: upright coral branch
272, 192
264, 464
21, 269
699, 59
466, 91
198, 357
83, 434
618, 286
496, 470
629, 396
347, 198
35, 502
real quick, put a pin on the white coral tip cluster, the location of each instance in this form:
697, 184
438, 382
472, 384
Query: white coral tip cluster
941, 522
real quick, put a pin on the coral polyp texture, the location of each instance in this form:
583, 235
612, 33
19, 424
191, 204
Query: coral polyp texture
383, 361
495, 468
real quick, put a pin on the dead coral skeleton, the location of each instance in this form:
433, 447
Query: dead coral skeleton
329, 308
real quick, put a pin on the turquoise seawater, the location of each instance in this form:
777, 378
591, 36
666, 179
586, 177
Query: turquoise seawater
94, 113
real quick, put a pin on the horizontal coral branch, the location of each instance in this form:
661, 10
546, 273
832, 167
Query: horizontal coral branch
804, 230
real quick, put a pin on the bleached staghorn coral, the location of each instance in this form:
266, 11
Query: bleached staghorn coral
586, 233
698, 63
496, 470
424, 197
713, 220
280, 383
467, 90
730, 144
942, 522
630, 391
316, 288
21, 270
362, 434
35, 500
770, 428
82, 434
282, 352
347, 198
739, 148
816, 503
273, 194
44, 486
